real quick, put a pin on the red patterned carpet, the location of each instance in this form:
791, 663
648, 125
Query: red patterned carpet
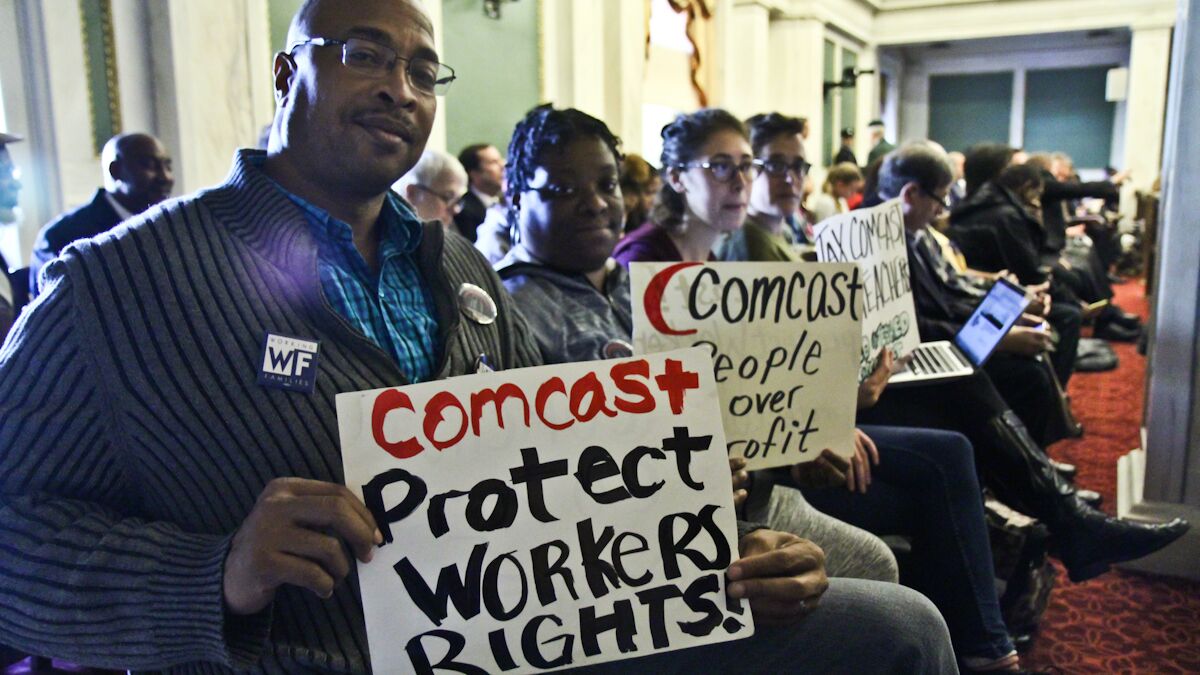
1120, 622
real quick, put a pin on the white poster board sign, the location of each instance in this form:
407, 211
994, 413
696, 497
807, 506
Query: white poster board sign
545, 517
784, 343
874, 238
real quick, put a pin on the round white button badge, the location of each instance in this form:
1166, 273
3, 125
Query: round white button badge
476, 304
617, 349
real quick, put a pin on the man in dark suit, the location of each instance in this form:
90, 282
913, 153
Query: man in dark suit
846, 153
485, 170
9, 187
138, 175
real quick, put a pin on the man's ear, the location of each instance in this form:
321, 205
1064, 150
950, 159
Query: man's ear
908, 193
285, 69
114, 170
410, 192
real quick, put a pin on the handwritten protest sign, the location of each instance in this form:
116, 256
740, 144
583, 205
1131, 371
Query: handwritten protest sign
784, 343
544, 517
874, 238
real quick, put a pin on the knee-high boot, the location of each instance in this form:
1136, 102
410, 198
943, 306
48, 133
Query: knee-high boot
1086, 540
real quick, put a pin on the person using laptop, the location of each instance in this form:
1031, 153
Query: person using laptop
1011, 462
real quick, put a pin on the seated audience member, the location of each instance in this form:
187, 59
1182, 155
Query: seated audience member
915, 482
577, 301
841, 183
958, 189
998, 230
639, 184
485, 171
706, 165
10, 187
942, 308
137, 175
435, 187
773, 212
1010, 462
174, 514
184, 521
870, 192
1086, 275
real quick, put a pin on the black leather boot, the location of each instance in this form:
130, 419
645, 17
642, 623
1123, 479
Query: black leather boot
1091, 540
1067, 470
1087, 541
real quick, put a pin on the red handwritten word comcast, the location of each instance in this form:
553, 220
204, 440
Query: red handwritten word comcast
586, 398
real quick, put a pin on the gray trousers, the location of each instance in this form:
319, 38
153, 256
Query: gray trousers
849, 551
860, 628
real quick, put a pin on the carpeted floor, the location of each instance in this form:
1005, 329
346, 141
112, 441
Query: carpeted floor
1120, 622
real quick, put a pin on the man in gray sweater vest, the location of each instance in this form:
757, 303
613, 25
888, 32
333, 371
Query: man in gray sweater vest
171, 500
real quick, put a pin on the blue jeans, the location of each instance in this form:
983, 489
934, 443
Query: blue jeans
860, 628
925, 488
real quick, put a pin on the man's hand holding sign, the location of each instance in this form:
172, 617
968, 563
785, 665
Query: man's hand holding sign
556, 516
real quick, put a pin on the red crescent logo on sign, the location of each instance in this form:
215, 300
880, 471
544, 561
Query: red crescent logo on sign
654, 295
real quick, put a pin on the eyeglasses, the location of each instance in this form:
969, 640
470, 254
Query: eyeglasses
943, 201
375, 60
778, 168
451, 202
605, 187
723, 170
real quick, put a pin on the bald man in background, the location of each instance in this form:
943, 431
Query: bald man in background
137, 175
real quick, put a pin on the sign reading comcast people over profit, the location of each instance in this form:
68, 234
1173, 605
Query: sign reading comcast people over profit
546, 517
784, 342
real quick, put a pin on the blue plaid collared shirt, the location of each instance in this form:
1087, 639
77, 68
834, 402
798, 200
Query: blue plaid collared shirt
393, 308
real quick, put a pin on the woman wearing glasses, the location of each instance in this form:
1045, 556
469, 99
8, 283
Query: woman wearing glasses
925, 486
708, 169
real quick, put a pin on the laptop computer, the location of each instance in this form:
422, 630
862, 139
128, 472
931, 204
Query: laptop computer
974, 343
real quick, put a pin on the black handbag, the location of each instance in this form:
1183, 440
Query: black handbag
1022, 567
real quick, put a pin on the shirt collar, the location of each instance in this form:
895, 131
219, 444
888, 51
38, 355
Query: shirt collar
488, 200
125, 213
401, 228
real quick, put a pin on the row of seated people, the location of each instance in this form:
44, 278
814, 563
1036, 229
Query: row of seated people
730, 191
1014, 217
908, 477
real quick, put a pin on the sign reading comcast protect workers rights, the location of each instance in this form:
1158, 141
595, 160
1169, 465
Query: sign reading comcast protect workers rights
546, 517
784, 343
874, 238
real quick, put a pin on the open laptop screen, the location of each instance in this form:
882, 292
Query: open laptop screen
997, 313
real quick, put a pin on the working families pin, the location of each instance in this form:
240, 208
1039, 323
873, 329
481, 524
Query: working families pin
546, 517
784, 342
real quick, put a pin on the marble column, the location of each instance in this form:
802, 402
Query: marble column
796, 71
1149, 61
748, 82
625, 59
212, 66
